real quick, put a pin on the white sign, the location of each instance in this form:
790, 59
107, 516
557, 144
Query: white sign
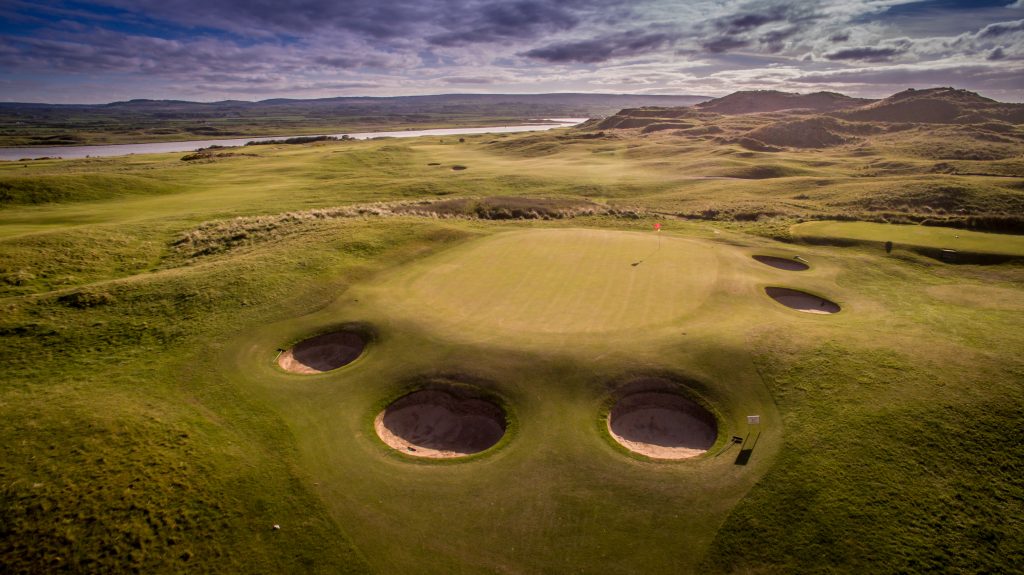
753, 419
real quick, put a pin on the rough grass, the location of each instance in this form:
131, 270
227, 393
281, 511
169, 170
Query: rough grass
223, 235
15, 190
888, 480
914, 236
146, 430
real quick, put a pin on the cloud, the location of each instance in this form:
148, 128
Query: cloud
602, 49
767, 27
871, 53
418, 46
890, 78
744, 22
455, 80
774, 41
724, 44
997, 54
1000, 29
501, 21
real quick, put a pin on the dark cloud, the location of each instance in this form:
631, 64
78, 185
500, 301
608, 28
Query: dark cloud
865, 53
102, 51
602, 49
774, 41
514, 20
1000, 29
725, 44
871, 53
423, 45
746, 22
740, 30
261, 18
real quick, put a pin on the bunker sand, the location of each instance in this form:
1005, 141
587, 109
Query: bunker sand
790, 265
802, 301
662, 425
322, 353
437, 424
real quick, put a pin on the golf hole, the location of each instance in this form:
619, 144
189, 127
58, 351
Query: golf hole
790, 265
438, 424
662, 425
801, 301
323, 352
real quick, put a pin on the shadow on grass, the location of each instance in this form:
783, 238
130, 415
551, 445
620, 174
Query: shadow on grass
643, 259
743, 457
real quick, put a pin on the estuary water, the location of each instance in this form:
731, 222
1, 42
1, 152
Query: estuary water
72, 152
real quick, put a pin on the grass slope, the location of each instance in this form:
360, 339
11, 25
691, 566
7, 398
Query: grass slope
146, 427
916, 236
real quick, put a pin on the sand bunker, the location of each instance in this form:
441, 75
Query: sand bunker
438, 424
323, 352
801, 301
662, 425
790, 265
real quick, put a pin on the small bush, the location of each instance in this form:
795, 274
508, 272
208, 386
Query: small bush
86, 299
18, 278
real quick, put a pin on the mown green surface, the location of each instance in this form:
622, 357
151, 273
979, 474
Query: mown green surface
146, 427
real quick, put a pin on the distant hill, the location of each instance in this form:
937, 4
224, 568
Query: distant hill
761, 101
936, 106
579, 105
29, 124
650, 118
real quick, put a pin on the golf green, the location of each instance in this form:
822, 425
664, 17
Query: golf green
559, 282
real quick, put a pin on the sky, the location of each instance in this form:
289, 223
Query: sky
206, 50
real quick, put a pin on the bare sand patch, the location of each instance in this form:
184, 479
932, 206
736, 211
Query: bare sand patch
801, 301
439, 424
323, 352
662, 425
790, 265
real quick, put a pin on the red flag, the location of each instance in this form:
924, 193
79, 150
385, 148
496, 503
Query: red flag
657, 227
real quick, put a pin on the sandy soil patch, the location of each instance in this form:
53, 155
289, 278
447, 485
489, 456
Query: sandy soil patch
801, 301
438, 424
322, 353
662, 425
790, 265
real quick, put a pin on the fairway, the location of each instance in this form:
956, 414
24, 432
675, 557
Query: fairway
918, 236
347, 357
561, 281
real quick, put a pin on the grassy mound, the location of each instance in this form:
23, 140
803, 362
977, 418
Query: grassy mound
20, 190
808, 133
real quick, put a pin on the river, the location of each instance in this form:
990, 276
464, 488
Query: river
73, 152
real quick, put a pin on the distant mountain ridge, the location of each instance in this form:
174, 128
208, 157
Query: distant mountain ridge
133, 121
618, 101
936, 106
770, 121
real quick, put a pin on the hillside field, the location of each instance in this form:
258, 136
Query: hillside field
148, 428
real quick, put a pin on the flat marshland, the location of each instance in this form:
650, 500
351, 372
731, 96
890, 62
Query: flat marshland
148, 426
